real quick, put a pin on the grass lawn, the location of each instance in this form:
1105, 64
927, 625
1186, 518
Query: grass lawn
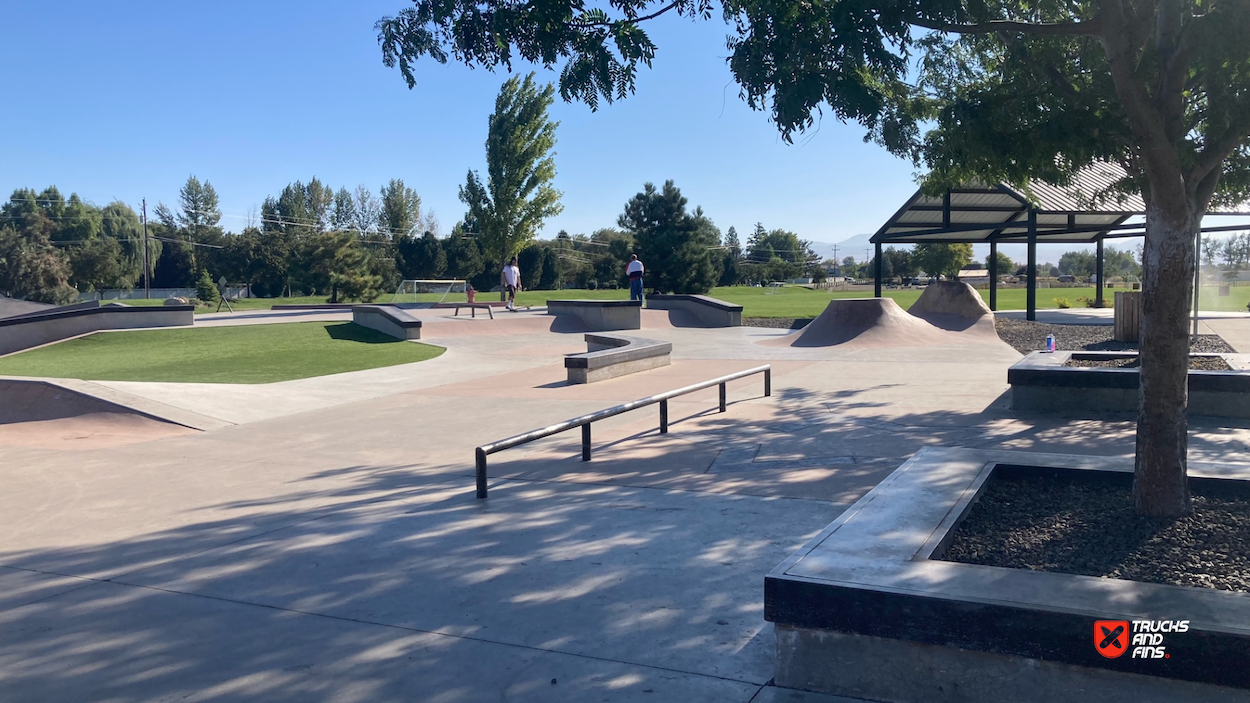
243, 354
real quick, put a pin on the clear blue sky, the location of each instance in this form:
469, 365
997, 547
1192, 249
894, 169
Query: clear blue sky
124, 100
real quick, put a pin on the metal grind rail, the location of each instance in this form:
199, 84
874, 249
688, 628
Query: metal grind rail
584, 421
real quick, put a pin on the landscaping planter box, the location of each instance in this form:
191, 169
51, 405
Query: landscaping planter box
1042, 381
867, 610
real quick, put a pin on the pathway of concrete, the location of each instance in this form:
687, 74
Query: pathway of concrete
330, 548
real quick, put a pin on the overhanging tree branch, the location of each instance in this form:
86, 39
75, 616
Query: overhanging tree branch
1084, 28
579, 24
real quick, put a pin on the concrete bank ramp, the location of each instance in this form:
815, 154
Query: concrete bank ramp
669, 319
864, 322
53, 414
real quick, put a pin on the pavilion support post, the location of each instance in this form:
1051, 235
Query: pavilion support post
877, 268
993, 275
1030, 311
1098, 275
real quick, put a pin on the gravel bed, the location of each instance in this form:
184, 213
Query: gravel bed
784, 323
1086, 525
1196, 363
1027, 336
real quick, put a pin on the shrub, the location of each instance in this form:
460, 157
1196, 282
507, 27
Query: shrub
1062, 303
205, 289
1090, 302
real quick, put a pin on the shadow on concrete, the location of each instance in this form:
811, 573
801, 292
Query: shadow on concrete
636, 576
352, 332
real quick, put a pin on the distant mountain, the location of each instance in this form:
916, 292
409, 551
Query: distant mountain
853, 246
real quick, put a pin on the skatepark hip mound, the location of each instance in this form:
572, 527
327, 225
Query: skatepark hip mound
862, 322
880, 322
952, 305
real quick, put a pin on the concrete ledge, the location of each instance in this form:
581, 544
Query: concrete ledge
388, 320
710, 311
600, 315
1042, 382
873, 580
35, 329
315, 306
610, 356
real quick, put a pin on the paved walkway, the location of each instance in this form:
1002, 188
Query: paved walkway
328, 546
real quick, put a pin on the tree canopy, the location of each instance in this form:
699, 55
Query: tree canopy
517, 196
676, 246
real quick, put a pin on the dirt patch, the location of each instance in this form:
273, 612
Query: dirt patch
1079, 522
1196, 363
781, 323
1027, 336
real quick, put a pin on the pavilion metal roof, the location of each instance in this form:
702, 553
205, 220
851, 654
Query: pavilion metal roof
1078, 212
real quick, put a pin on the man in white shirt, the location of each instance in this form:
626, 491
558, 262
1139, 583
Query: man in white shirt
634, 272
512, 282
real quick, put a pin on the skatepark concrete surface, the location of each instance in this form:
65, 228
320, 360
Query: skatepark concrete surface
319, 540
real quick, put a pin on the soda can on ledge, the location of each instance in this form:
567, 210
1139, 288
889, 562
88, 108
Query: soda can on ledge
1050, 342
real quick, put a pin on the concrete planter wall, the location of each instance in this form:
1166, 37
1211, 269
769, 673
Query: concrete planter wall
866, 610
1042, 382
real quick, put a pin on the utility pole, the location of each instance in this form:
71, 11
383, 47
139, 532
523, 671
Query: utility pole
147, 267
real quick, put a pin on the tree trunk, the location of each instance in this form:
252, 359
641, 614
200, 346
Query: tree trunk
1160, 484
503, 281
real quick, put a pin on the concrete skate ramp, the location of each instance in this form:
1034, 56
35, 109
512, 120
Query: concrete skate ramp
668, 319
10, 307
864, 322
38, 414
954, 306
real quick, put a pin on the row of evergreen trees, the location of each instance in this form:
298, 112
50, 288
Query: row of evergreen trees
312, 239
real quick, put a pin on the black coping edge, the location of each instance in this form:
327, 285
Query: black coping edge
596, 303
122, 309
626, 349
701, 299
394, 314
1200, 656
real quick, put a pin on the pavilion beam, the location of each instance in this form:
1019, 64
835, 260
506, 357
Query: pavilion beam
1030, 312
876, 272
1098, 275
993, 275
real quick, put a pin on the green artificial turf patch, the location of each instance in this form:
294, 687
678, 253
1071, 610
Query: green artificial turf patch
237, 354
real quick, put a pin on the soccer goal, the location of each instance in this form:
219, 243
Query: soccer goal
429, 291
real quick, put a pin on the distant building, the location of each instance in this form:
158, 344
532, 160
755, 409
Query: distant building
974, 275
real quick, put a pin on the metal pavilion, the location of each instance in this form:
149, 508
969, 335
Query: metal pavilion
1080, 213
